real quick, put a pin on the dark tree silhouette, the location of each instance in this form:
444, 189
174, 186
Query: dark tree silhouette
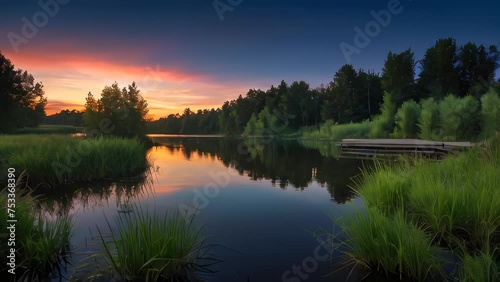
22, 101
398, 76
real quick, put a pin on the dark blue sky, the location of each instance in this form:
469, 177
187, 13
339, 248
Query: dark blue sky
258, 43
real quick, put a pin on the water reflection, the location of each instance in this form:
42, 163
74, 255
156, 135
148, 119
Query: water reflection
286, 164
271, 228
83, 198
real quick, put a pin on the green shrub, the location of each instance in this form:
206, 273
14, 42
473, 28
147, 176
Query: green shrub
251, 127
383, 124
265, 124
429, 119
407, 120
459, 117
490, 113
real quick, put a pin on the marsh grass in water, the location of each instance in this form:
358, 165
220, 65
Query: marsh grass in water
452, 203
56, 159
42, 243
456, 197
479, 268
146, 246
389, 244
385, 186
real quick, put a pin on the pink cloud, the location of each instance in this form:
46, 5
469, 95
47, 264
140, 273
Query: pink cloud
69, 71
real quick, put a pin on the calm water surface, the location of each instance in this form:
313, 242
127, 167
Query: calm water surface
267, 204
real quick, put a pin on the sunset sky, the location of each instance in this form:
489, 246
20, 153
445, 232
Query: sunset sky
182, 53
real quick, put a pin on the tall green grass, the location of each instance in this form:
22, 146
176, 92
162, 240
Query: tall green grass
456, 197
454, 202
389, 244
64, 159
479, 268
42, 244
385, 188
150, 247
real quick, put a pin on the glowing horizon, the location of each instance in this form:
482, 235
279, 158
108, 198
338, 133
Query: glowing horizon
68, 77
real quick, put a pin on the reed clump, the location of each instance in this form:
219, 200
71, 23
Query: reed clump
389, 244
145, 246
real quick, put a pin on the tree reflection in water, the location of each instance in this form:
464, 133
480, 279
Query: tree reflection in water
64, 199
286, 163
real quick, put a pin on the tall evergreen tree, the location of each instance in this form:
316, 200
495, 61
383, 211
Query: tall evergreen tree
439, 75
398, 76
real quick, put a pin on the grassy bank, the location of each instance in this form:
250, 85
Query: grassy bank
56, 159
50, 129
452, 203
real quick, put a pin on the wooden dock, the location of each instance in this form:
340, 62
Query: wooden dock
372, 147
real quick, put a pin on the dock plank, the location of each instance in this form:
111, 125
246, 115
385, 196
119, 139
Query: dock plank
399, 146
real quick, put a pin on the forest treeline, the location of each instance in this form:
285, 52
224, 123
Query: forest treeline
353, 96
65, 117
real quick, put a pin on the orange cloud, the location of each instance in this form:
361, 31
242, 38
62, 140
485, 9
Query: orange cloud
69, 72
86, 63
55, 106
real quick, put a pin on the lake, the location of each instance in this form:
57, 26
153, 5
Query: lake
268, 204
